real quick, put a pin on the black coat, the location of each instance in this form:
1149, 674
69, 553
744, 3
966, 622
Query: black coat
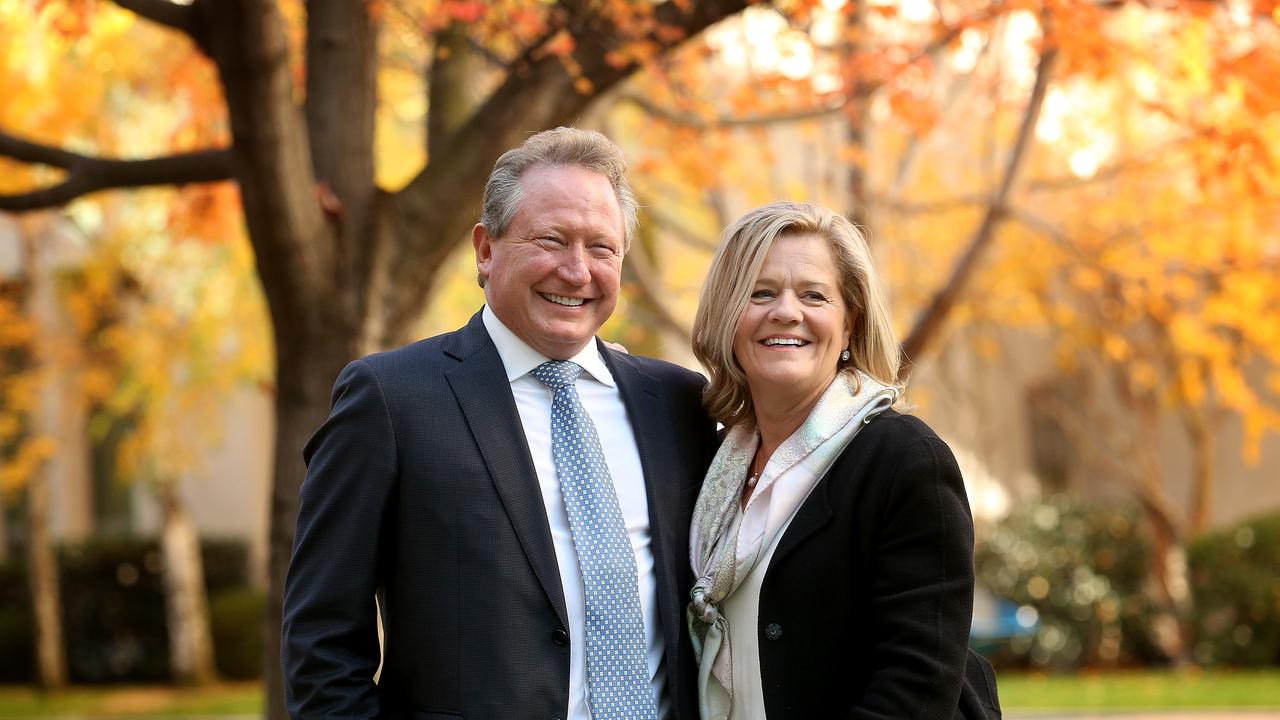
866, 604
420, 488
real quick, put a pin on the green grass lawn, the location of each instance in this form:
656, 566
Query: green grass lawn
148, 701
1120, 690
1088, 691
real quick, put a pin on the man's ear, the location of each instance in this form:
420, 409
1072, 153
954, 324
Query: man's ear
483, 244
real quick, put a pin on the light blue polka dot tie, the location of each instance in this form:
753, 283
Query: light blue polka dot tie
617, 668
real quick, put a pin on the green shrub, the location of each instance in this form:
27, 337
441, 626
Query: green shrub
1235, 579
1081, 567
113, 611
112, 608
17, 658
237, 618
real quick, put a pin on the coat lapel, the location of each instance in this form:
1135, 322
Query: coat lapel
648, 413
481, 387
814, 513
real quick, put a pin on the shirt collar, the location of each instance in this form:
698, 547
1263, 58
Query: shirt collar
518, 358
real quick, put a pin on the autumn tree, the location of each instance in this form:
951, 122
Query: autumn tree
25, 450
1041, 170
167, 324
346, 265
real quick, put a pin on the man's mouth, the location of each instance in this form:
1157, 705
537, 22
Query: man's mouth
562, 300
784, 341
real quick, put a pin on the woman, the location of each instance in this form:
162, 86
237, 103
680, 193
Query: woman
832, 538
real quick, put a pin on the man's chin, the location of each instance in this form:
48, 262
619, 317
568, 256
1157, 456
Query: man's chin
565, 344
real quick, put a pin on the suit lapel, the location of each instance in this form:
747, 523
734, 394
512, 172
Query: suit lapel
481, 387
648, 413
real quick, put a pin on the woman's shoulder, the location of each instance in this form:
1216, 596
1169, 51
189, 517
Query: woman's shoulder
899, 429
894, 440
897, 463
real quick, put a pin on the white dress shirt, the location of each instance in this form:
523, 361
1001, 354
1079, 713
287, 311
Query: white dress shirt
598, 392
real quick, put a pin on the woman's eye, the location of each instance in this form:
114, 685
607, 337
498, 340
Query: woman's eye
815, 297
762, 294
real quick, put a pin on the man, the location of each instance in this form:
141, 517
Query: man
522, 520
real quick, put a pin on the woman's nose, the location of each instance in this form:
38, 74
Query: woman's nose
786, 309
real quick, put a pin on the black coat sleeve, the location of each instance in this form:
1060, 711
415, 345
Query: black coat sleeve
919, 563
329, 643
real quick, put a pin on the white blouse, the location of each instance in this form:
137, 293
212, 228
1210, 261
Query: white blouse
764, 514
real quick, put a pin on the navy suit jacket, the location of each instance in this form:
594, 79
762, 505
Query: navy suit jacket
420, 490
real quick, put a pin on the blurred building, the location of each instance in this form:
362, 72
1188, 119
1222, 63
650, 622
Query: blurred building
1040, 431
228, 489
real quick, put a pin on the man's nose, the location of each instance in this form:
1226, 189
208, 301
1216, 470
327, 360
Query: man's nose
574, 268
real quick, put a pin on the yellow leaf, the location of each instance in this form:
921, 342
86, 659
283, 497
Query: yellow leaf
1116, 348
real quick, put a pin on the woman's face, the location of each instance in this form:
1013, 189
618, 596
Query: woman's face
790, 336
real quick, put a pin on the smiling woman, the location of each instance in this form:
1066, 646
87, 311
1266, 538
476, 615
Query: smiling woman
831, 538
790, 336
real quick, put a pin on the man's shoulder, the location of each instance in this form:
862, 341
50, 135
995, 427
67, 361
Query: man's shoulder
416, 357
667, 372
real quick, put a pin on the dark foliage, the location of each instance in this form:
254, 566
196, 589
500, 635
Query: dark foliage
113, 608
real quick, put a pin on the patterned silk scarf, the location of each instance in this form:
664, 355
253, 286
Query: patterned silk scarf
719, 563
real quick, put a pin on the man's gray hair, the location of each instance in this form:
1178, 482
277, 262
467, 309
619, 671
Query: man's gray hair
561, 147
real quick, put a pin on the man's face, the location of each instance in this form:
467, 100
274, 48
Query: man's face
553, 277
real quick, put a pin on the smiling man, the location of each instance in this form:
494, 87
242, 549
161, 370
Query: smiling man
515, 494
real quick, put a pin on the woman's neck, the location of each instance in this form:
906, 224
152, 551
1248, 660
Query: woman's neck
779, 415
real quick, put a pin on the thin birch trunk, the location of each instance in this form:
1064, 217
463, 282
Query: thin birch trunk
186, 604
42, 559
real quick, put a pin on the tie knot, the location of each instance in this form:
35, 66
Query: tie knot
557, 374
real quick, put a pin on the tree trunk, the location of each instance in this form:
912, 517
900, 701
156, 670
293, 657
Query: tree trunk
42, 559
1171, 591
46, 597
307, 365
4, 533
856, 131
1168, 584
1202, 446
186, 602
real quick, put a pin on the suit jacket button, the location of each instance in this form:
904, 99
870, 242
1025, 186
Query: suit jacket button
773, 631
559, 637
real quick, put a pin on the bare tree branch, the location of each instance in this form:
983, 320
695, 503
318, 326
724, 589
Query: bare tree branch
930, 321
861, 90
691, 120
640, 270
89, 174
929, 207
163, 12
677, 228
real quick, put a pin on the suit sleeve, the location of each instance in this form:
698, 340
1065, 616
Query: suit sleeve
921, 588
329, 644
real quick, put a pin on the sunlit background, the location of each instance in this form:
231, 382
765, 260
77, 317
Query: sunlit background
1106, 369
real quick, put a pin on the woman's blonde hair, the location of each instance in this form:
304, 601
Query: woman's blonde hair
873, 349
